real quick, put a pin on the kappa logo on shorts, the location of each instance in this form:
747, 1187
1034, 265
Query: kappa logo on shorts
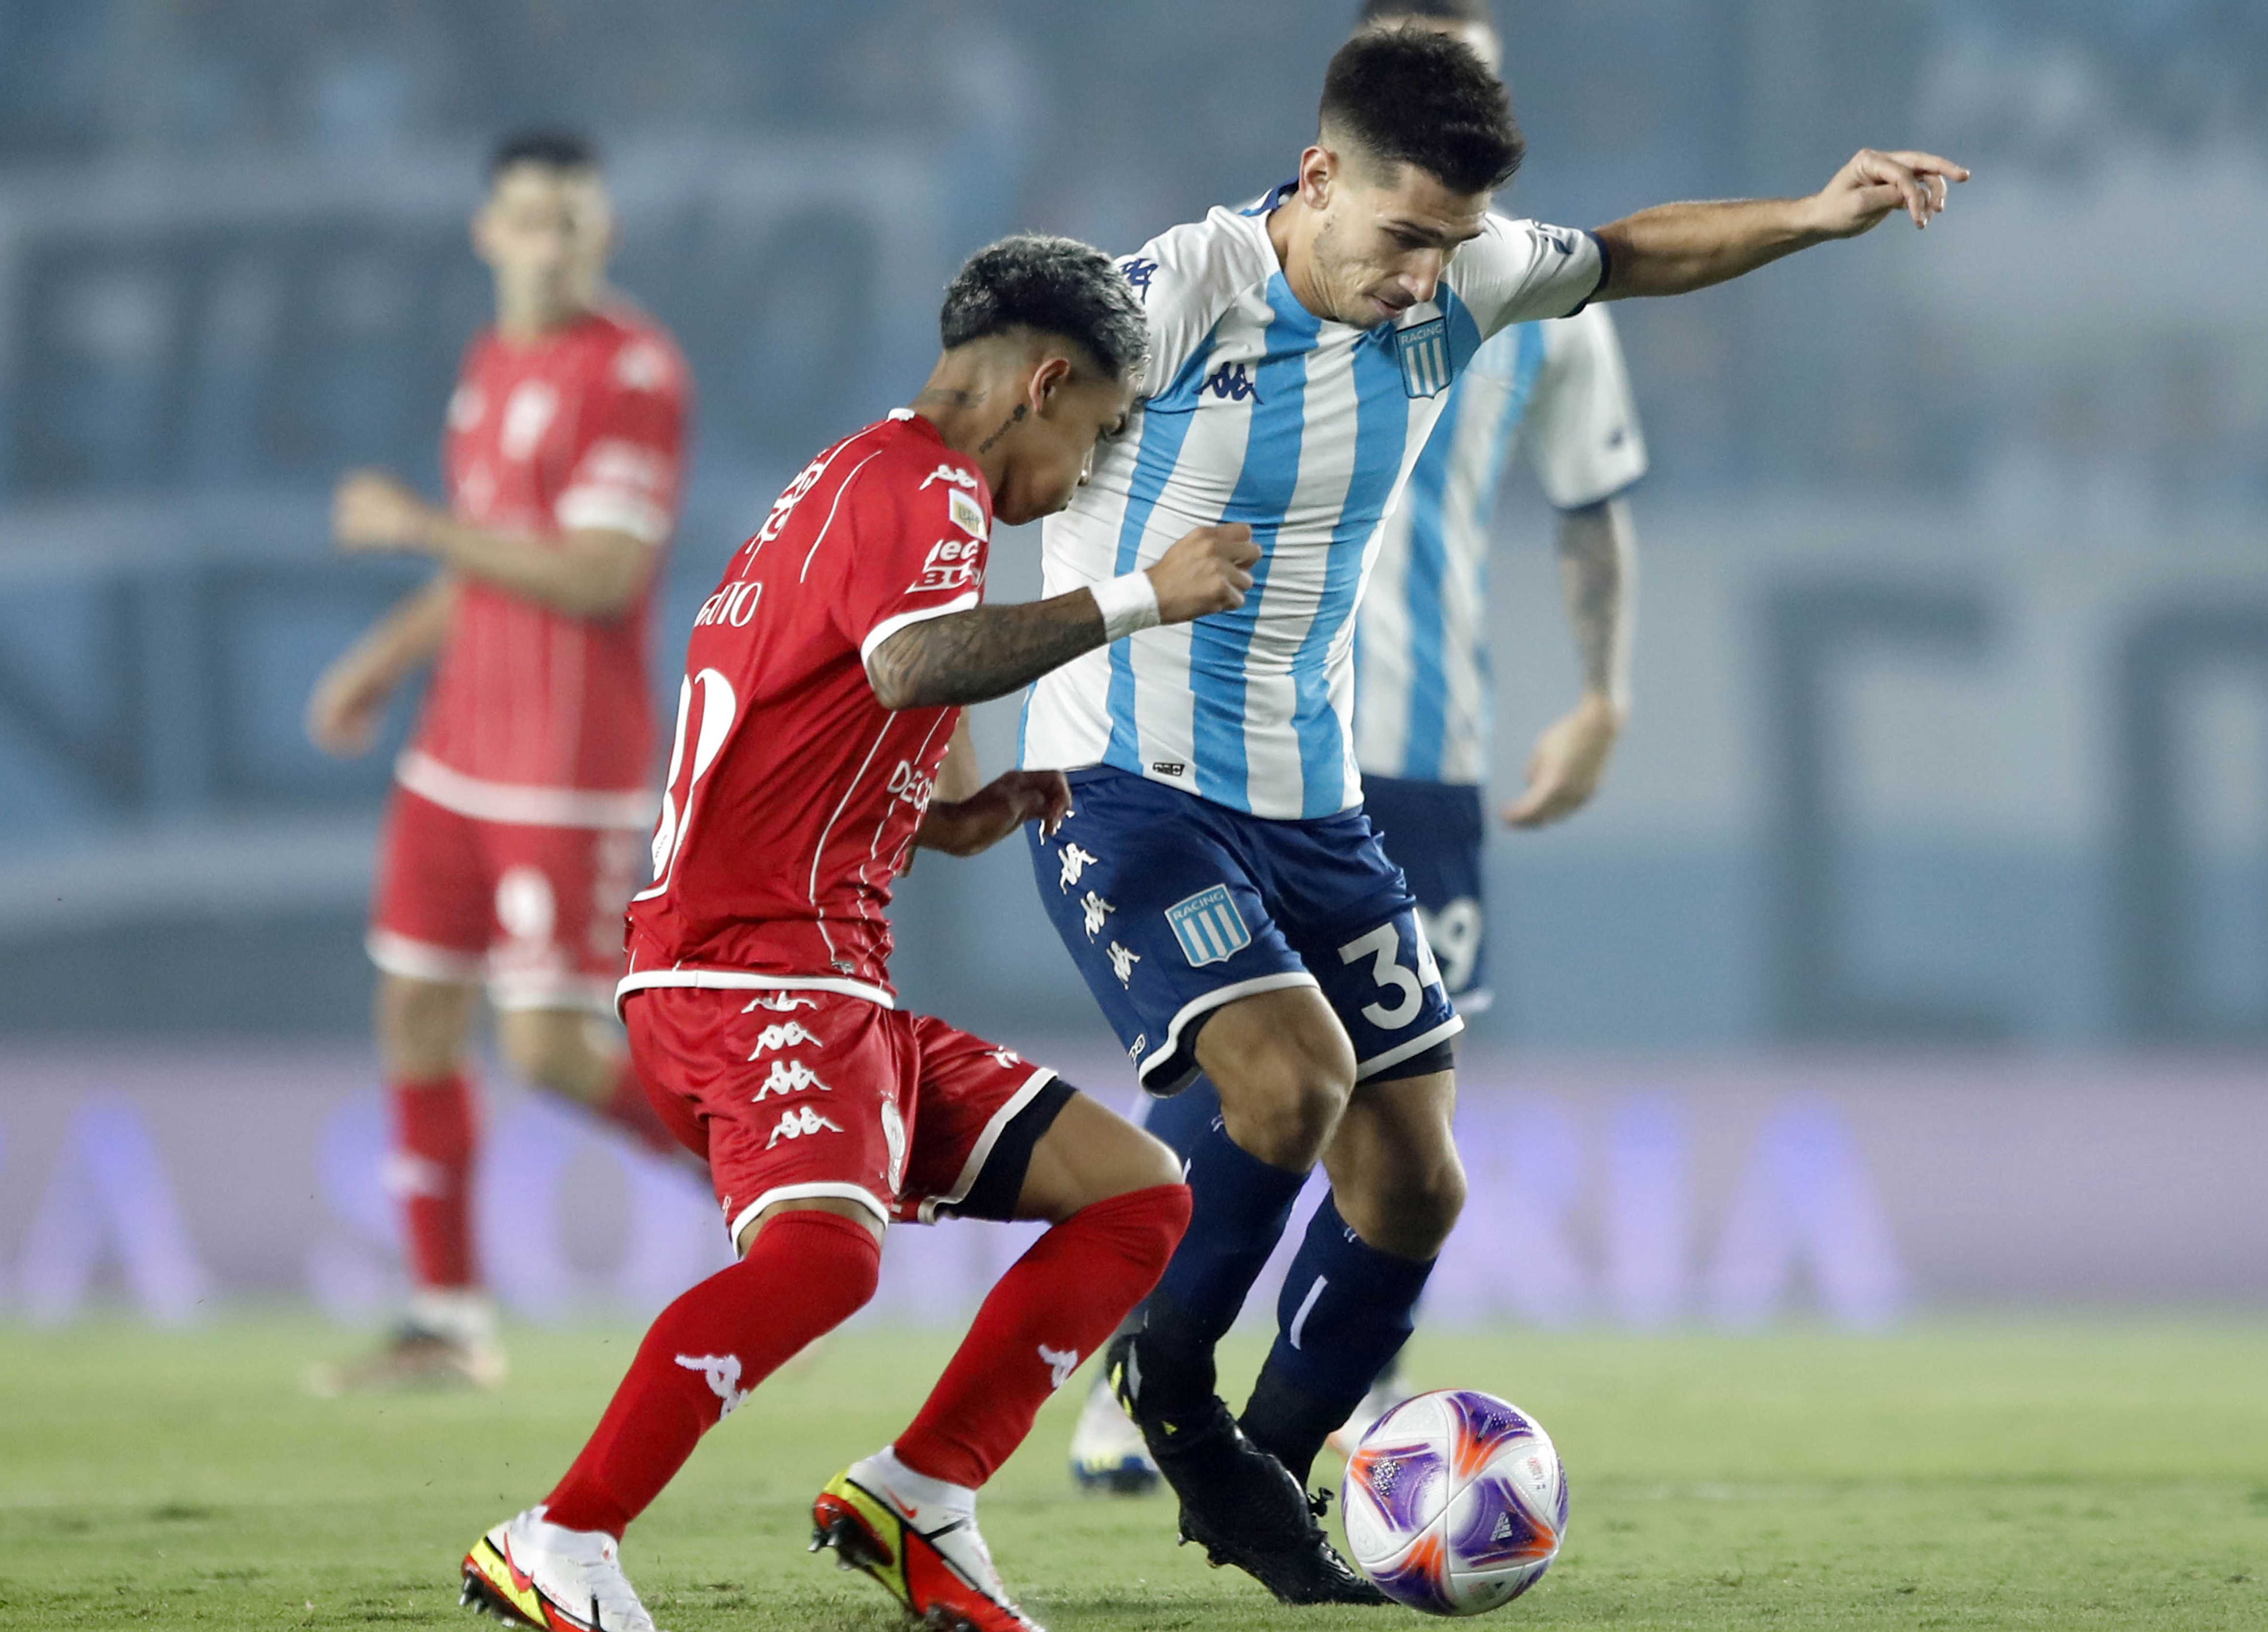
1075, 863
797, 1123
893, 1137
790, 1077
1209, 927
791, 1035
781, 1002
1097, 912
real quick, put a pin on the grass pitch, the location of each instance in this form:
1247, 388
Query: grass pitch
2033, 1475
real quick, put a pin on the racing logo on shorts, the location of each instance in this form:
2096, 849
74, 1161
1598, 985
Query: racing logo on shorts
797, 1123
1209, 927
791, 1035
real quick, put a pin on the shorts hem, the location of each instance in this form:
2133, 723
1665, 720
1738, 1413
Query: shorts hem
513, 805
398, 954
973, 1169
1204, 1004
1368, 1069
590, 994
822, 1189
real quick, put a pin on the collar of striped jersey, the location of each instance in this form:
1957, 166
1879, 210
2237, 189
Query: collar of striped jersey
1266, 203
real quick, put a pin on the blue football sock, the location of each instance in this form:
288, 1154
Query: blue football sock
1346, 1310
1239, 1207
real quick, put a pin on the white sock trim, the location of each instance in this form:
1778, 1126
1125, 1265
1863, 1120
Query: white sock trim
917, 1490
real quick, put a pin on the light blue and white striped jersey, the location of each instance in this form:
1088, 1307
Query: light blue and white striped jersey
1262, 413
1559, 392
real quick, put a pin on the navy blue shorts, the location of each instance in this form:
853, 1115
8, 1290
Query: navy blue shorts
1172, 906
1434, 831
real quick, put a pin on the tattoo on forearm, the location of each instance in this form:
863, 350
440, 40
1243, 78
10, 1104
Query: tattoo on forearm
1594, 570
983, 653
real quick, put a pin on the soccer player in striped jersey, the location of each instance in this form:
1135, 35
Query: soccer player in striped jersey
1557, 392
514, 833
1224, 896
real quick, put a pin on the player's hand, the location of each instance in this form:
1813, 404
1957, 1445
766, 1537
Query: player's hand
1872, 185
1205, 571
1568, 764
370, 511
964, 827
345, 709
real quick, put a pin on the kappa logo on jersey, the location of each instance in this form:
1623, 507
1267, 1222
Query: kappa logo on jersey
792, 1035
781, 1002
966, 513
788, 1076
527, 414
800, 1123
1006, 1059
1140, 272
1424, 351
954, 474
1122, 959
952, 565
1231, 382
1209, 927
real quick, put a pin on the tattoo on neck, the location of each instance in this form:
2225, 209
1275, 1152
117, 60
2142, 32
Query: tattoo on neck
950, 394
985, 446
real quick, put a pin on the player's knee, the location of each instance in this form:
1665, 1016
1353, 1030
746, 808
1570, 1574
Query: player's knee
1150, 1163
1423, 1207
421, 1025
1285, 1096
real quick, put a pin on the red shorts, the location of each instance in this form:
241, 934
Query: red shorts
536, 913
791, 1094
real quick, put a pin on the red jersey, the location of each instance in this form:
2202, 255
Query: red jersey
536, 715
793, 795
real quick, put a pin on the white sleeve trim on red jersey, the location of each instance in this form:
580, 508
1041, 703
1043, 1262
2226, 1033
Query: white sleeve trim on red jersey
805, 1193
612, 510
516, 805
981, 1151
889, 627
741, 979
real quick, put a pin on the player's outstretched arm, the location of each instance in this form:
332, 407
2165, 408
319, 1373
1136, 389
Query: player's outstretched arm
968, 815
989, 651
348, 702
589, 572
1673, 248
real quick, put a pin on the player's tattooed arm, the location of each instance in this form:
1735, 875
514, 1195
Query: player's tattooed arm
989, 651
1598, 572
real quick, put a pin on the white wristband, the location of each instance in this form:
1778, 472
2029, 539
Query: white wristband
1127, 604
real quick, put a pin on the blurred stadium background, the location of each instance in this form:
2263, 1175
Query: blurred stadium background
1915, 955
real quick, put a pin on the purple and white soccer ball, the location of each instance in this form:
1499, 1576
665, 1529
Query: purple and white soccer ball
1456, 1503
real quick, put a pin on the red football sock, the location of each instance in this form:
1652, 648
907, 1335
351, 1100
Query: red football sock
630, 1109
430, 1170
1061, 1299
806, 1273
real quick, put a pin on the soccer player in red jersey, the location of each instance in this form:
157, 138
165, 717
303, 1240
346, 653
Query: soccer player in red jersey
512, 839
823, 686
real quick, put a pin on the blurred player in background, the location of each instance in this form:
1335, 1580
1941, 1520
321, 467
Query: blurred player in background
1218, 883
1558, 392
819, 742
513, 837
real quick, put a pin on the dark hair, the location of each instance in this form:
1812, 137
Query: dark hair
1375, 12
1055, 285
553, 149
1412, 96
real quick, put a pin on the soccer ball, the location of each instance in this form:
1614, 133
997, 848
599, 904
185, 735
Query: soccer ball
1456, 1503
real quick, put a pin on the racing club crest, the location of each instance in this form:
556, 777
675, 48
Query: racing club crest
1423, 349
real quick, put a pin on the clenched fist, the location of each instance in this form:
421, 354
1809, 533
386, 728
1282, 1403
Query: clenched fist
1204, 572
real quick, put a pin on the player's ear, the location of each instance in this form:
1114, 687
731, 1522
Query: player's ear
1053, 374
1319, 168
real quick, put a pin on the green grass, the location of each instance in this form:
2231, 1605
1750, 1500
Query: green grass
2050, 1475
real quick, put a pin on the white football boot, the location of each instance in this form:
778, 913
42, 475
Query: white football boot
1106, 1452
534, 1573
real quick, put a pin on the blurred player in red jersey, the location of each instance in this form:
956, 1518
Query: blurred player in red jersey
823, 687
512, 839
